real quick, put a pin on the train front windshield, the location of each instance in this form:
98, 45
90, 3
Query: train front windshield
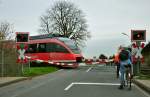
71, 44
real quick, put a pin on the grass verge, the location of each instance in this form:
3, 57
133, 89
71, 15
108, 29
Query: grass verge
35, 71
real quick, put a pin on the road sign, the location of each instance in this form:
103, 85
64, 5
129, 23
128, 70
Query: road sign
21, 54
136, 50
138, 53
137, 56
21, 50
138, 35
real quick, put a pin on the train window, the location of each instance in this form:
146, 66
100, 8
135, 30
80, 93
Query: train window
42, 47
53, 47
71, 44
32, 48
49, 47
76, 51
60, 48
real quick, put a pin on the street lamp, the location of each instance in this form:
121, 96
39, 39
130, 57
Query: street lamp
125, 34
128, 37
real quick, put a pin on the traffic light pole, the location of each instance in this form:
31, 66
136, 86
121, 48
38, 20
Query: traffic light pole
138, 64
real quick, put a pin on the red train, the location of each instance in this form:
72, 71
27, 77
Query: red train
54, 50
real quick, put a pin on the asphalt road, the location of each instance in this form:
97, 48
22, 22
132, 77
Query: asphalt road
86, 81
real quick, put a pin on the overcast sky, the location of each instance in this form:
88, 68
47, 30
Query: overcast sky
106, 19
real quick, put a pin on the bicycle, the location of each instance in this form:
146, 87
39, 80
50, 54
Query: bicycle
128, 77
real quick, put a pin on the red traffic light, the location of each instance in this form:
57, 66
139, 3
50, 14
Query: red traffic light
22, 37
138, 35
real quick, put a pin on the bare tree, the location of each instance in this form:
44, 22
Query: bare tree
67, 20
6, 31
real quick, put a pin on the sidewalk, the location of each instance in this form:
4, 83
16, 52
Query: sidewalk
9, 80
144, 84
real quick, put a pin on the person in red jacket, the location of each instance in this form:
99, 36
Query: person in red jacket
116, 61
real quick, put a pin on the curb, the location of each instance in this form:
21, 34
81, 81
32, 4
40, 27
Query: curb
13, 81
142, 86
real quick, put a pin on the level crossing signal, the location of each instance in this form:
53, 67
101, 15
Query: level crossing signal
138, 35
22, 37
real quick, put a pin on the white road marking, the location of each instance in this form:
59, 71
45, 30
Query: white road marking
68, 87
89, 69
79, 83
106, 84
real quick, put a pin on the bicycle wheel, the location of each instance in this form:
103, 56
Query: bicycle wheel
126, 78
129, 80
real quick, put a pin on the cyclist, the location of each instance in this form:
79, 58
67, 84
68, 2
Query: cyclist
125, 60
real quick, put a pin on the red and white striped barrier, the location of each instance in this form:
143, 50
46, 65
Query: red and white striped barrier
97, 61
71, 65
88, 61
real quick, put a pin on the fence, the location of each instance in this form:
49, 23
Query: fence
8, 57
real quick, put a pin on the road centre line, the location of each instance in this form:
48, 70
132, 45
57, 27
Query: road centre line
89, 69
79, 83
